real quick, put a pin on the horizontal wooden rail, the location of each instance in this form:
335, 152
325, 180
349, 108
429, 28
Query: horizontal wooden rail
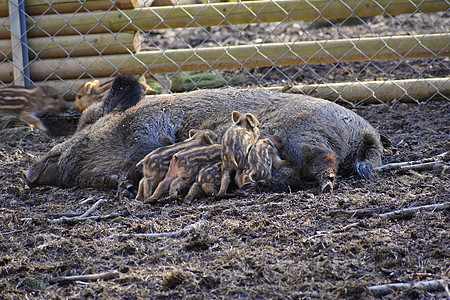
77, 45
40, 7
210, 58
218, 14
376, 91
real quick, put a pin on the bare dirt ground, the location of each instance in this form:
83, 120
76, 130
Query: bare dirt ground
291, 245
269, 245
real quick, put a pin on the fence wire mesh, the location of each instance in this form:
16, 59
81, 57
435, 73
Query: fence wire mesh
355, 50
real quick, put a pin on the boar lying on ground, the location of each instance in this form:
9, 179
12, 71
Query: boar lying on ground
318, 136
156, 163
236, 144
27, 104
184, 167
262, 157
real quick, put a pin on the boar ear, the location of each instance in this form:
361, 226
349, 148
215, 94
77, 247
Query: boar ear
210, 138
192, 132
252, 120
235, 115
42, 90
88, 87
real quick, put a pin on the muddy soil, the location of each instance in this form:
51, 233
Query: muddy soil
268, 245
292, 245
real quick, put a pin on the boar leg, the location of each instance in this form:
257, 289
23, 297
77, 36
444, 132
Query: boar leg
141, 188
30, 119
101, 179
243, 179
210, 189
320, 164
369, 156
47, 171
163, 186
194, 191
224, 182
239, 178
145, 188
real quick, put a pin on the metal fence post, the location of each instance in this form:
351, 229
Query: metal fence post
19, 43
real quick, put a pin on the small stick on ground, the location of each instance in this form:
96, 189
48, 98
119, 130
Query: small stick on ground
357, 213
87, 277
337, 230
409, 165
84, 216
408, 212
384, 289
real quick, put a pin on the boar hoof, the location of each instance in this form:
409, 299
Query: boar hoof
126, 190
247, 189
261, 182
364, 169
151, 201
328, 184
327, 187
26, 177
247, 185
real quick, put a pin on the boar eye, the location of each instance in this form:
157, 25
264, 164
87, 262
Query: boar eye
55, 97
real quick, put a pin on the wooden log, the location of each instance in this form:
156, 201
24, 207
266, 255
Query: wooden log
78, 45
218, 14
150, 3
247, 56
41, 7
375, 91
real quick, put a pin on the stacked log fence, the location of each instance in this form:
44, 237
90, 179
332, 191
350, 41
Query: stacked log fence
70, 42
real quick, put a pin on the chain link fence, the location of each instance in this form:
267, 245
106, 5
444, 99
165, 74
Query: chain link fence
355, 50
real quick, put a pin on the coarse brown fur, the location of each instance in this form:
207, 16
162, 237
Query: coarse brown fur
28, 104
112, 145
156, 163
93, 92
207, 180
261, 158
183, 168
236, 143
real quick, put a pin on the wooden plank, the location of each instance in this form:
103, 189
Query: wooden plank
214, 14
248, 56
406, 90
18, 44
78, 45
40, 7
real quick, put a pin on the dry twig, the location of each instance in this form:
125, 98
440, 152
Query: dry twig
421, 164
384, 289
82, 217
407, 212
88, 277
397, 214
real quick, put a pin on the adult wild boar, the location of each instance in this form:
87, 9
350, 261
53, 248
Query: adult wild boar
318, 136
